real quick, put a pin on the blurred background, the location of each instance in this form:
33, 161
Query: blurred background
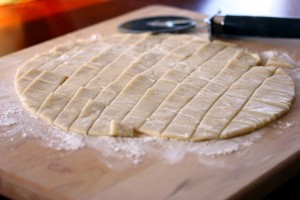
24, 23
27, 22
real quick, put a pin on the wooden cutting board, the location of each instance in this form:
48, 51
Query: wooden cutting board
31, 170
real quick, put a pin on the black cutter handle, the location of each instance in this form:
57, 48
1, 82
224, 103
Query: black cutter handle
257, 26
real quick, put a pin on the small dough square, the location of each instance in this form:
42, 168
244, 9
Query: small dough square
118, 129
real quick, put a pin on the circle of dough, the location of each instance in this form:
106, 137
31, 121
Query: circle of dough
170, 86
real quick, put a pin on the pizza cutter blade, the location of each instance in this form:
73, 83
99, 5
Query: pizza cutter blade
158, 24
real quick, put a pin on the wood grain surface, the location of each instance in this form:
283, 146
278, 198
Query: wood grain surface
29, 170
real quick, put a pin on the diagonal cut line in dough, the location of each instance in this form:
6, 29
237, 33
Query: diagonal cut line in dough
67, 56
212, 89
206, 133
111, 71
223, 59
82, 123
107, 57
34, 72
146, 42
150, 99
260, 115
130, 39
40, 59
207, 128
52, 88
148, 77
145, 62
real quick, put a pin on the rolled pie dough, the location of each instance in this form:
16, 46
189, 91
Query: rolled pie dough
170, 86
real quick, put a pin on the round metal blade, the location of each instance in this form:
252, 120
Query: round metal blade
158, 24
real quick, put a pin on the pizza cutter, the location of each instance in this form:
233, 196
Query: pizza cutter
219, 25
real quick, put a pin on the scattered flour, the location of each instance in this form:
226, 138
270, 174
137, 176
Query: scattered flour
282, 125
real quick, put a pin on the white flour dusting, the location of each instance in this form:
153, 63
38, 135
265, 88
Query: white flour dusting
282, 125
14, 120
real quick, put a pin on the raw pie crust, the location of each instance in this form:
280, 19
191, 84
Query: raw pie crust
170, 86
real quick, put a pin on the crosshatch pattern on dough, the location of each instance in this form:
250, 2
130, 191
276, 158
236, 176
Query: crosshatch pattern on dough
168, 85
